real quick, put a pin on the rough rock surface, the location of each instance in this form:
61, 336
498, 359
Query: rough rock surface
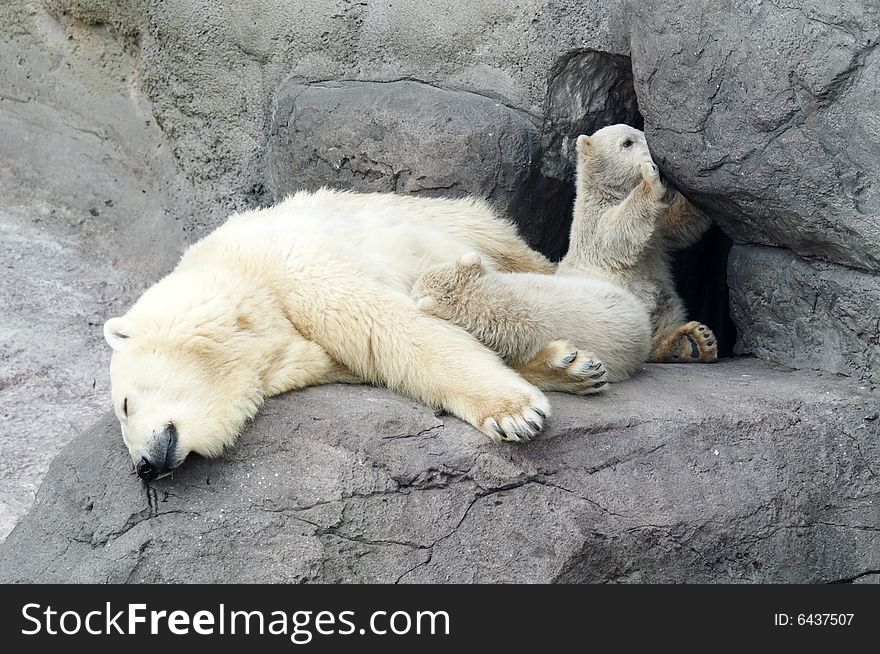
370, 136
212, 69
741, 471
808, 314
374, 136
779, 132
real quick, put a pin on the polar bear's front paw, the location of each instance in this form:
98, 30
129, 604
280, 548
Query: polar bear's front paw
518, 420
470, 265
429, 304
581, 372
562, 366
652, 181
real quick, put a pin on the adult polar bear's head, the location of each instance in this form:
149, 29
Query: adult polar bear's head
180, 383
611, 159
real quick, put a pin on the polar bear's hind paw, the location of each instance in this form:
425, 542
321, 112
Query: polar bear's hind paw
692, 342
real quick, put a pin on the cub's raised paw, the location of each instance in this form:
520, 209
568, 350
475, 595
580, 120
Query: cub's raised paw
650, 172
651, 177
562, 366
516, 420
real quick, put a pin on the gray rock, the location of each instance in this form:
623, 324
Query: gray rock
767, 114
403, 137
411, 137
741, 471
586, 90
212, 69
807, 314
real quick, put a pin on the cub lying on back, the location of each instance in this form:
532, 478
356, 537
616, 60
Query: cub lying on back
624, 231
519, 315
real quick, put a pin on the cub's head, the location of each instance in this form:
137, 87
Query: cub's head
173, 395
611, 158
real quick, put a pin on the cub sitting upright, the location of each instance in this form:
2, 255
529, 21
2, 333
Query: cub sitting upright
624, 228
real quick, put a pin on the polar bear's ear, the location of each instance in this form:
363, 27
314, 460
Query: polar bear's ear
117, 331
583, 143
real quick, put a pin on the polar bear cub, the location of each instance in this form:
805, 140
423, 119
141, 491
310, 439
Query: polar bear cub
625, 226
520, 315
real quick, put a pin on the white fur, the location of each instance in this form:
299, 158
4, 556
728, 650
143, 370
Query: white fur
310, 291
519, 314
623, 228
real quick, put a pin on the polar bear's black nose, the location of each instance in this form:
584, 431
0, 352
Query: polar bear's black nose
160, 454
145, 469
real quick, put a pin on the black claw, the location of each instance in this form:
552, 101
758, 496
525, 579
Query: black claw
500, 432
701, 329
571, 357
534, 425
710, 343
598, 375
540, 413
600, 384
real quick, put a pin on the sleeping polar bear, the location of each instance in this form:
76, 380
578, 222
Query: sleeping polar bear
316, 290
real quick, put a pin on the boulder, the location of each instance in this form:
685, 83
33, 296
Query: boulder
90, 209
212, 69
768, 115
806, 313
739, 471
415, 138
404, 137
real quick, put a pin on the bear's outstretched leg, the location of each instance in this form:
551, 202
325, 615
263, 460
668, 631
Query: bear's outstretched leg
561, 366
692, 342
383, 338
556, 331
